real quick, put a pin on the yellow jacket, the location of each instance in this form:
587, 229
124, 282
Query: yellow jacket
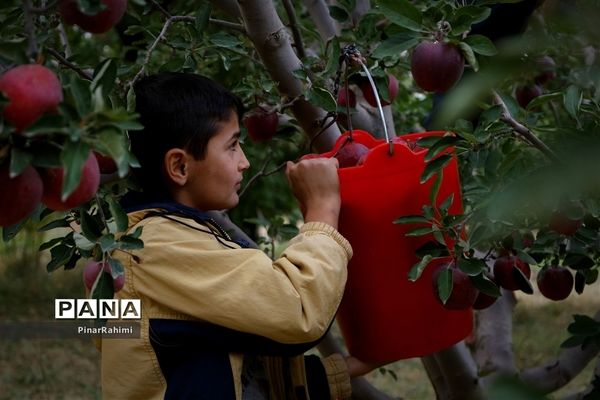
188, 271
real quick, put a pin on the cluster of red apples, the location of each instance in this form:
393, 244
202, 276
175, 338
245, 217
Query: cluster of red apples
546, 68
33, 90
511, 273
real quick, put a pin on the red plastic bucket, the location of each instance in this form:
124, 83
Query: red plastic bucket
385, 317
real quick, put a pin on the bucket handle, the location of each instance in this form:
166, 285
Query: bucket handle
351, 53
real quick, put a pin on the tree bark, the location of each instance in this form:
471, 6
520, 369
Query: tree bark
319, 12
460, 373
493, 351
559, 372
435, 376
272, 42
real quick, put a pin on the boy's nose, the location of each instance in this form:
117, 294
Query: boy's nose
244, 163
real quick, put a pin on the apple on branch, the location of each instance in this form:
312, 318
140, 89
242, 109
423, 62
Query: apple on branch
96, 23
88, 185
94, 268
261, 124
463, 294
436, 66
19, 195
555, 282
32, 90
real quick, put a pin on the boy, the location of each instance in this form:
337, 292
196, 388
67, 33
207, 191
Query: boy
212, 309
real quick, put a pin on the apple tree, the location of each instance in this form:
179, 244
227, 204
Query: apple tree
515, 84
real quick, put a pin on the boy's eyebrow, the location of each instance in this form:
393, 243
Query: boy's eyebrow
235, 136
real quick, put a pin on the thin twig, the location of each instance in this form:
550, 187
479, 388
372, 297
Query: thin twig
227, 24
262, 173
62, 60
32, 48
522, 130
333, 117
161, 8
293, 23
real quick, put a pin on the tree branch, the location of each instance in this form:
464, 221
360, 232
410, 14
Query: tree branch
319, 12
522, 130
293, 23
560, 371
460, 372
361, 8
32, 48
62, 60
435, 377
272, 43
230, 7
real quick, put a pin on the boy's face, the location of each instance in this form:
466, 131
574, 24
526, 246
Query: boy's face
215, 180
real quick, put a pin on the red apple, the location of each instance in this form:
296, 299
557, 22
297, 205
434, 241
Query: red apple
350, 154
506, 273
463, 292
88, 185
91, 271
436, 66
20, 195
32, 90
369, 96
106, 164
261, 125
527, 93
483, 301
97, 23
547, 68
341, 99
564, 225
555, 283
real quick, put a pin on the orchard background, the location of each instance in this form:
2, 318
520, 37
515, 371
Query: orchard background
524, 116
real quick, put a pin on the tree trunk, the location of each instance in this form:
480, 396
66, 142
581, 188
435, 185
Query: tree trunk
272, 42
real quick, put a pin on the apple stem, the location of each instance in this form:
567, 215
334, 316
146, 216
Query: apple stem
522, 130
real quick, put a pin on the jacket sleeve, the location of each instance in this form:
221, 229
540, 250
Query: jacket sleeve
290, 300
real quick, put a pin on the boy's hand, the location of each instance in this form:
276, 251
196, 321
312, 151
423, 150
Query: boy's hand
316, 185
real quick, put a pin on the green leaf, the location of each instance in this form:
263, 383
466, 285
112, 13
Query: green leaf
105, 76
321, 98
119, 216
525, 257
127, 242
485, 285
481, 45
471, 266
90, 227
73, 157
469, 55
584, 325
543, 99
82, 242
225, 40
116, 267
60, 255
50, 243
435, 188
9, 232
440, 146
573, 341
59, 223
19, 161
411, 219
403, 13
572, 100
417, 270
103, 288
444, 284
447, 203
107, 242
202, 18
80, 89
420, 231
435, 166
395, 45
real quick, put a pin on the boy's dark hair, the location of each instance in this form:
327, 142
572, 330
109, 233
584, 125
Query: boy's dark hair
177, 110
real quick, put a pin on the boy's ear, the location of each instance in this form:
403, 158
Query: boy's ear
176, 166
